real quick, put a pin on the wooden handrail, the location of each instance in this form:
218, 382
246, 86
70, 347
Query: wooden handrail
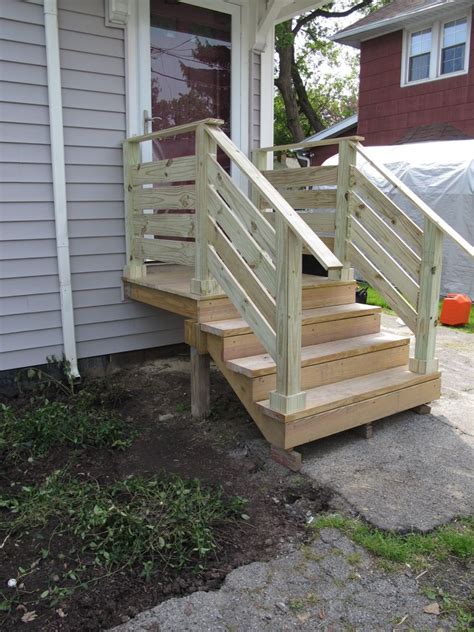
174, 131
426, 210
312, 242
309, 144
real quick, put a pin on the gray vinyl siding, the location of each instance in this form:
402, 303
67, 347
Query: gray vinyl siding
93, 68
255, 99
28, 268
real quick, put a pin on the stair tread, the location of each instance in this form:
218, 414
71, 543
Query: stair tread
346, 392
263, 364
238, 326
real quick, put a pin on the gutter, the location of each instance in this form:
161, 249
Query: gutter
394, 21
59, 182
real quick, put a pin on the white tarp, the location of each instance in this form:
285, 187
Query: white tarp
442, 175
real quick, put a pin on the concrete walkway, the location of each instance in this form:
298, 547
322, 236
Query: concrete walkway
332, 585
417, 471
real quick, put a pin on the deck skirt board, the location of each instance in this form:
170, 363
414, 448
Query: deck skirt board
340, 394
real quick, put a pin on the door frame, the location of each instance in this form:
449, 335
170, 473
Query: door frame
138, 68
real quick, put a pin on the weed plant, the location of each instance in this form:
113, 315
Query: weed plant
75, 422
148, 524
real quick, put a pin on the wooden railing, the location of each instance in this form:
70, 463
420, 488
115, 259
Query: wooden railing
400, 259
397, 257
251, 247
237, 249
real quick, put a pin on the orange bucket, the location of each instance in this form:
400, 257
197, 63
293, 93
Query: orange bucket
456, 309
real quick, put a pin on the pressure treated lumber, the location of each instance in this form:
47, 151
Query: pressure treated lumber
200, 384
404, 226
181, 197
288, 397
313, 315
334, 421
181, 169
341, 394
263, 364
334, 369
302, 177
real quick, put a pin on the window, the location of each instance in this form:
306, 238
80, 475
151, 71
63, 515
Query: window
420, 55
453, 53
437, 51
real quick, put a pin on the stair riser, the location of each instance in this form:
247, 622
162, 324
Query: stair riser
248, 344
211, 309
328, 296
335, 371
346, 417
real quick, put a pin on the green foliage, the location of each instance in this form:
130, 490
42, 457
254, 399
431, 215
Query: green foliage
374, 298
417, 549
76, 422
149, 523
57, 379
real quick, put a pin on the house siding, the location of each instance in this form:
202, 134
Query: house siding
255, 98
388, 111
93, 80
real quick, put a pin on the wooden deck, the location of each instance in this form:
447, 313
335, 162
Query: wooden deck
168, 286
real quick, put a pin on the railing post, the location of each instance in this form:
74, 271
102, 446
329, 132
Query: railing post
203, 283
134, 268
260, 160
428, 299
288, 397
347, 158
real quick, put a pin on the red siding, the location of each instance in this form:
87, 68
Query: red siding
387, 111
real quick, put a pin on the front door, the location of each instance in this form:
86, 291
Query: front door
190, 70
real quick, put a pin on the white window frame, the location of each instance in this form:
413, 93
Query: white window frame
436, 50
139, 68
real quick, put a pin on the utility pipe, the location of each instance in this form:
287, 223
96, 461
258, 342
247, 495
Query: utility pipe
59, 182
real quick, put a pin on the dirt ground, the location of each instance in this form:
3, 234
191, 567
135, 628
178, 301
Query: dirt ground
155, 400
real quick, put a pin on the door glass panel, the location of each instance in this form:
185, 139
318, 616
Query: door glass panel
190, 71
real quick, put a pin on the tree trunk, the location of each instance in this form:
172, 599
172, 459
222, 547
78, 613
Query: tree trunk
304, 101
284, 83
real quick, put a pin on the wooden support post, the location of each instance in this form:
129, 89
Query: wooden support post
134, 268
347, 158
366, 431
203, 284
424, 360
200, 384
422, 409
260, 160
288, 458
288, 397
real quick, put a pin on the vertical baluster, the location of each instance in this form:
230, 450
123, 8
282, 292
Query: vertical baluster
134, 268
428, 298
288, 397
203, 283
260, 160
347, 158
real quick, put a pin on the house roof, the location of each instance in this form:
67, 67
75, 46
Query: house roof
395, 16
436, 132
335, 130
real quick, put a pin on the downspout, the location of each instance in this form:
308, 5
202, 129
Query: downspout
59, 182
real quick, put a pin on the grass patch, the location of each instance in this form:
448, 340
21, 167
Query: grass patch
374, 298
416, 549
76, 422
149, 525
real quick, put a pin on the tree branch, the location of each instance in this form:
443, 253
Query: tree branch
322, 13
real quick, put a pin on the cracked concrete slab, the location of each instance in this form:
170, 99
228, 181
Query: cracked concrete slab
331, 585
417, 472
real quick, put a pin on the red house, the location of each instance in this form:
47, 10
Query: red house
417, 71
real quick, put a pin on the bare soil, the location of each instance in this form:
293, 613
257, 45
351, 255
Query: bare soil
155, 400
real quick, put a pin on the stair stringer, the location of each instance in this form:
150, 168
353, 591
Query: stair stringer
273, 430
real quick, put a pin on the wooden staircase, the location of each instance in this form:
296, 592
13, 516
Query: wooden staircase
352, 372
304, 358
